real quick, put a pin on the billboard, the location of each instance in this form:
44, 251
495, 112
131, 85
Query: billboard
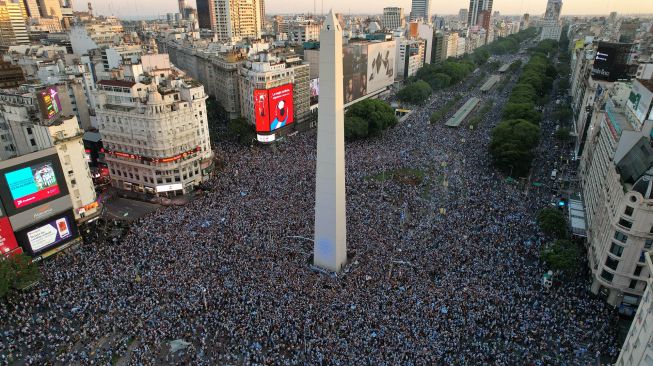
25, 184
261, 113
612, 61
8, 243
48, 234
355, 71
40, 212
281, 106
273, 108
315, 90
639, 101
49, 102
381, 65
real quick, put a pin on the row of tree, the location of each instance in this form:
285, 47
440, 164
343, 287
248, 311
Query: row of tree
518, 134
511, 43
560, 253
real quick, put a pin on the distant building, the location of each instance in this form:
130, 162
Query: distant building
298, 33
462, 15
232, 19
475, 9
11, 76
420, 10
51, 8
410, 57
393, 18
13, 18
439, 50
427, 33
206, 14
551, 28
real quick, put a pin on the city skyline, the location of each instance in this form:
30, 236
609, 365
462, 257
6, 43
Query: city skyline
154, 8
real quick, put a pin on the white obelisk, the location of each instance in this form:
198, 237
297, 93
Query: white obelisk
330, 246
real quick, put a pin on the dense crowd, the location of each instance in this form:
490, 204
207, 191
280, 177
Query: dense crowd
230, 272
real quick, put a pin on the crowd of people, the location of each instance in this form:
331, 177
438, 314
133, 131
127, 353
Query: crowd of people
443, 269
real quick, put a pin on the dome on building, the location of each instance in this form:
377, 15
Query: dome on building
644, 186
153, 96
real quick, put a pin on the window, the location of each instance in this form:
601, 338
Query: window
633, 284
638, 270
616, 249
611, 263
648, 243
641, 256
29, 130
625, 223
32, 142
620, 236
607, 276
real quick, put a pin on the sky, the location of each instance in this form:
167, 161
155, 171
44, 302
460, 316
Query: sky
153, 8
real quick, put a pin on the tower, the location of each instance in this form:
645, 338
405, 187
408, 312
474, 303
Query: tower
475, 9
420, 9
330, 245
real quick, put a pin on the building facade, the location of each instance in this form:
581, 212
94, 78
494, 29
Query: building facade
155, 136
420, 10
551, 28
393, 18
237, 19
476, 7
13, 28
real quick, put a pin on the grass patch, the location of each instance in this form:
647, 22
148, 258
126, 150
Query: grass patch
403, 176
480, 116
439, 115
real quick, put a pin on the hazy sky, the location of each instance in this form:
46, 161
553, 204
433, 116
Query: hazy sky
149, 8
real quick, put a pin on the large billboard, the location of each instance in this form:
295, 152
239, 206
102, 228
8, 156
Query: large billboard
355, 71
261, 110
32, 182
48, 234
273, 108
8, 243
381, 65
612, 61
315, 90
640, 100
49, 102
40, 212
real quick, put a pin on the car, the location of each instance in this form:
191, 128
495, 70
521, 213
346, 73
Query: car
554, 174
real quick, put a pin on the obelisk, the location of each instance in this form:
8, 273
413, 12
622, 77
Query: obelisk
330, 246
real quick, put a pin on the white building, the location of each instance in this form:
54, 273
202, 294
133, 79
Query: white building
616, 185
155, 136
638, 346
551, 28
237, 19
420, 9
452, 44
409, 58
393, 18
426, 32
298, 33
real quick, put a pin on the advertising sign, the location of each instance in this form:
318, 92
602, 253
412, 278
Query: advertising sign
639, 101
8, 241
261, 110
281, 107
355, 71
315, 90
266, 138
49, 234
611, 61
32, 184
169, 187
40, 212
49, 103
381, 65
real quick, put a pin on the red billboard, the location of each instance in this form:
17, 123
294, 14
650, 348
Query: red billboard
8, 241
273, 108
261, 110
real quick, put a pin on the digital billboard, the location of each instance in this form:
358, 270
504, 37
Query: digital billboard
261, 110
8, 243
381, 65
281, 106
639, 101
355, 71
49, 102
612, 61
48, 234
30, 180
315, 90
32, 184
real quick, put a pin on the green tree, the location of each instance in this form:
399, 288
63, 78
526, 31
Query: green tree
7, 277
522, 111
415, 93
26, 271
552, 222
355, 128
368, 118
562, 135
240, 130
562, 255
511, 145
563, 114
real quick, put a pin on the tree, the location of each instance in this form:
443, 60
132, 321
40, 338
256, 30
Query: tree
7, 278
512, 144
17, 272
563, 114
240, 130
552, 222
561, 255
562, 135
368, 118
415, 93
522, 111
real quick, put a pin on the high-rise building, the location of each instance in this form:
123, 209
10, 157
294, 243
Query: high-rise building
439, 50
155, 136
13, 30
32, 8
551, 28
462, 15
51, 8
236, 19
206, 14
420, 9
182, 6
475, 9
393, 18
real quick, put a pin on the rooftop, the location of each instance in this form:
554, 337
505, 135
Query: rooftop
119, 83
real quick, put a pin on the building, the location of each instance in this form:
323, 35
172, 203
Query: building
452, 44
236, 19
638, 346
300, 32
439, 50
616, 177
155, 135
11, 76
463, 14
274, 94
182, 7
551, 28
13, 19
410, 57
206, 14
393, 18
420, 10
526, 21
32, 8
51, 8
427, 33
475, 9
